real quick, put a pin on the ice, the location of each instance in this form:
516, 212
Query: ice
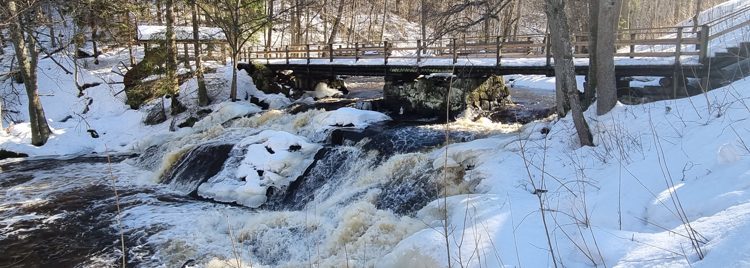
349, 117
271, 159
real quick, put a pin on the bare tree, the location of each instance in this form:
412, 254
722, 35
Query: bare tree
240, 20
173, 85
608, 16
564, 68
203, 99
337, 22
24, 43
591, 82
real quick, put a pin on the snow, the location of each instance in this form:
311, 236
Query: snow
646, 157
70, 116
623, 203
224, 112
348, 117
157, 32
271, 159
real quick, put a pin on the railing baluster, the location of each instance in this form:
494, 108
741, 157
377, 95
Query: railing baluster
455, 50
499, 48
307, 53
286, 54
419, 50
547, 52
330, 52
678, 48
632, 45
356, 52
385, 51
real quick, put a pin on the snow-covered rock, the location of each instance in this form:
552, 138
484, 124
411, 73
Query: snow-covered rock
269, 159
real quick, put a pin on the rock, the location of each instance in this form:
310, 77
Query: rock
9, 154
155, 116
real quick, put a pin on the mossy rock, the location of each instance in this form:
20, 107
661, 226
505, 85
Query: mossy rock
489, 95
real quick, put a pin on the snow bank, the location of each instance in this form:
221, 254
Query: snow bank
224, 112
619, 197
158, 32
76, 120
271, 159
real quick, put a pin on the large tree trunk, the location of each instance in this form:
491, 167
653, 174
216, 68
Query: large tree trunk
590, 88
564, 68
336, 22
609, 11
173, 84
27, 56
202, 91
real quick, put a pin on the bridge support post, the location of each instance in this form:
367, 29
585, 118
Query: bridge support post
703, 34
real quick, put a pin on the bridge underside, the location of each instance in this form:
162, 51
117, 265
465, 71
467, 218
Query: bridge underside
330, 70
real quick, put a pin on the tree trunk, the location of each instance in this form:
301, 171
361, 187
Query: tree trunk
590, 88
94, 37
131, 35
564, 68
336, 22
609, 11
158, 12
173, 85
233, 89
519, 5
423, 20
269, 34
202, 91
52, 38
385, 18
27, 56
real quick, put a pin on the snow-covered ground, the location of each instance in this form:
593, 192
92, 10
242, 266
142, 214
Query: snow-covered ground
665, 186
658, 170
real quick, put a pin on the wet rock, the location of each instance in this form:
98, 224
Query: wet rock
156, 115
9, 154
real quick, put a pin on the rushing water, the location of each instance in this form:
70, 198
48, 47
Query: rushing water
352, 204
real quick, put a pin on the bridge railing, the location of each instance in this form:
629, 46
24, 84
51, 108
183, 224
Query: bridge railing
663, 42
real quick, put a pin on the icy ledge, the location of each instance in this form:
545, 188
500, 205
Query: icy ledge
268, 159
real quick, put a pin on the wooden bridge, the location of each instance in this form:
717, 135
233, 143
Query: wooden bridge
662, 51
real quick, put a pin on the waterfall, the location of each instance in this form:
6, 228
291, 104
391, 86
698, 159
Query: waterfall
197, 166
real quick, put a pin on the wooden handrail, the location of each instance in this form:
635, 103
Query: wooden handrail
499, 47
